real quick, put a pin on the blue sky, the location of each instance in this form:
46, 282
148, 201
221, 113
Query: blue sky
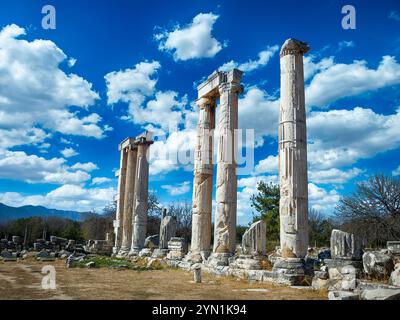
113, 69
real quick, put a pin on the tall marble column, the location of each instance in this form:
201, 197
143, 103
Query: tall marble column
132, 152
121, 173
293, 206
226, 193
141, 195
202, 185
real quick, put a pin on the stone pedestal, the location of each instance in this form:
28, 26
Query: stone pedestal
290, 271
177, 248
293, 206
141, 195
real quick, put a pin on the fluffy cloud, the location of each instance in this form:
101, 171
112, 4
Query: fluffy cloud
333, 175
251, 65
100, 180
268, 165
341, 137
340, 80
87, 166
135, 86
17, 165
35, 94
173, 152
322, 200
66, 197
192, 41
177, 189
69, 152
260, 112
132, 85
396, 172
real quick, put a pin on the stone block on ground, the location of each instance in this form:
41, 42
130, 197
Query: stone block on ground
380, 294
152, 241
345, 245
393, 247
378, 264
395, 276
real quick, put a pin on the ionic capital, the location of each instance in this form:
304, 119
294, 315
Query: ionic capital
294, 46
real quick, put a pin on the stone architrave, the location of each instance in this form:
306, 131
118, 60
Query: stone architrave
226, 189
203, 176
254, 240
132, 152
167, 231
121, 173
293, 206
345, 245
141, 194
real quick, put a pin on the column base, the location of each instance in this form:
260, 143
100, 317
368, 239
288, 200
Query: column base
123, 252
197, 257
290, 271
134, 252
250, 262
220, 259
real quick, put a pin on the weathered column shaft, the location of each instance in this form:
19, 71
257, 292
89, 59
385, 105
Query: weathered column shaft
120, 202
203, 176
129, 198
226, 193
141, 198
293, 206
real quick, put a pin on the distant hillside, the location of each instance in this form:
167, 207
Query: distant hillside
8, 213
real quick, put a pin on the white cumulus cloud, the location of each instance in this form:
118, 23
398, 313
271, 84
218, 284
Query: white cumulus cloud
192, 41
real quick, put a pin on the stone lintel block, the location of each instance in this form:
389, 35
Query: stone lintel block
126, 143
209, 86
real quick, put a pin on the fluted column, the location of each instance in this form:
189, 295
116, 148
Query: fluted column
226, 193
120, 202
141, 196
293, 206
203, 176
128, 199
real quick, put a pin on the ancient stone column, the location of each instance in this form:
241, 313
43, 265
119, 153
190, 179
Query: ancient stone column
121, 173
141, 195
202, 185
226, 193
132, 152
293, 206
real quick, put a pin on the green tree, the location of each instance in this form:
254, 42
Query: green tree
266, 202
73, 231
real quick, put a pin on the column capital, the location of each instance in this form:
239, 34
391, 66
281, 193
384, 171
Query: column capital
204, 101
230, 86
294, 46
144, 138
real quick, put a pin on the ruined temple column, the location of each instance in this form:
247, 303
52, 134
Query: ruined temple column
293, 206
141, 195
202, 185
226, 193
121, 173
131, 151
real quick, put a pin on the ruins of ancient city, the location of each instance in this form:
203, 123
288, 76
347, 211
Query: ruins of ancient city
342, 271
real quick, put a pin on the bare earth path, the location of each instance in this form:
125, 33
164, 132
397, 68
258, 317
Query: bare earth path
22, 280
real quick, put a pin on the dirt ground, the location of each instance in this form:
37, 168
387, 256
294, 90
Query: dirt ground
22, 280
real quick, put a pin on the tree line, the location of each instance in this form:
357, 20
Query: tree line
372, 212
